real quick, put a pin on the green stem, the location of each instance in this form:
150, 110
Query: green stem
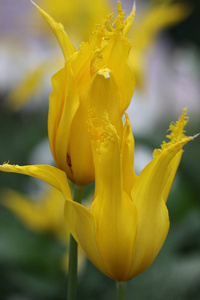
121, 290
72, 269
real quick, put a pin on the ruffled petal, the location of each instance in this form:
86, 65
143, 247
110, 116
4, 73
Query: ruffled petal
67, 47
152, 185
113, 210
177, 134
129, 21
49, 174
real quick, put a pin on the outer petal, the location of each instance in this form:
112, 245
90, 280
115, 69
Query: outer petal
113, 210
148, 195
176, 134
49, 174
102, 95
81, 224
129, 21
129, 176
63, 105
63, 39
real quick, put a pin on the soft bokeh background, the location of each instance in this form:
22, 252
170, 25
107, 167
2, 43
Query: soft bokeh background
31, 263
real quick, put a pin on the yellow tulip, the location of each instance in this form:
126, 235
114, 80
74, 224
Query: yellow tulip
77, 16
147, 26
95, 78
45, 215
153, 19
128, 221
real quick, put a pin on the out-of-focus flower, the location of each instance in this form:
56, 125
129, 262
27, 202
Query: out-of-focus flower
147, 26
128, 221
45, 215
173, 77
79, 16
95, 78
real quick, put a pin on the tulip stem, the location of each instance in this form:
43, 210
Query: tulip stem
73, 254
121, 290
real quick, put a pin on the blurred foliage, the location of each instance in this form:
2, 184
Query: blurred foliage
187, 31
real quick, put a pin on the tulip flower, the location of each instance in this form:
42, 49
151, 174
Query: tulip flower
77, 16
148, 25
45, 214
95, 78
153, 19
128, 221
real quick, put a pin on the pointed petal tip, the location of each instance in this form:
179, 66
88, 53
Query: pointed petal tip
194, 136
134, 8
34, 4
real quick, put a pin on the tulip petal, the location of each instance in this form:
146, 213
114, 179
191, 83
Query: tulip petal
129, 176
129, 21
102, 95
113, 210
67, 47
148, 194
63, 105
81, 65
49, 174
81, 224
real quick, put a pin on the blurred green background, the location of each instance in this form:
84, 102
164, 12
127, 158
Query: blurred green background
31, 263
